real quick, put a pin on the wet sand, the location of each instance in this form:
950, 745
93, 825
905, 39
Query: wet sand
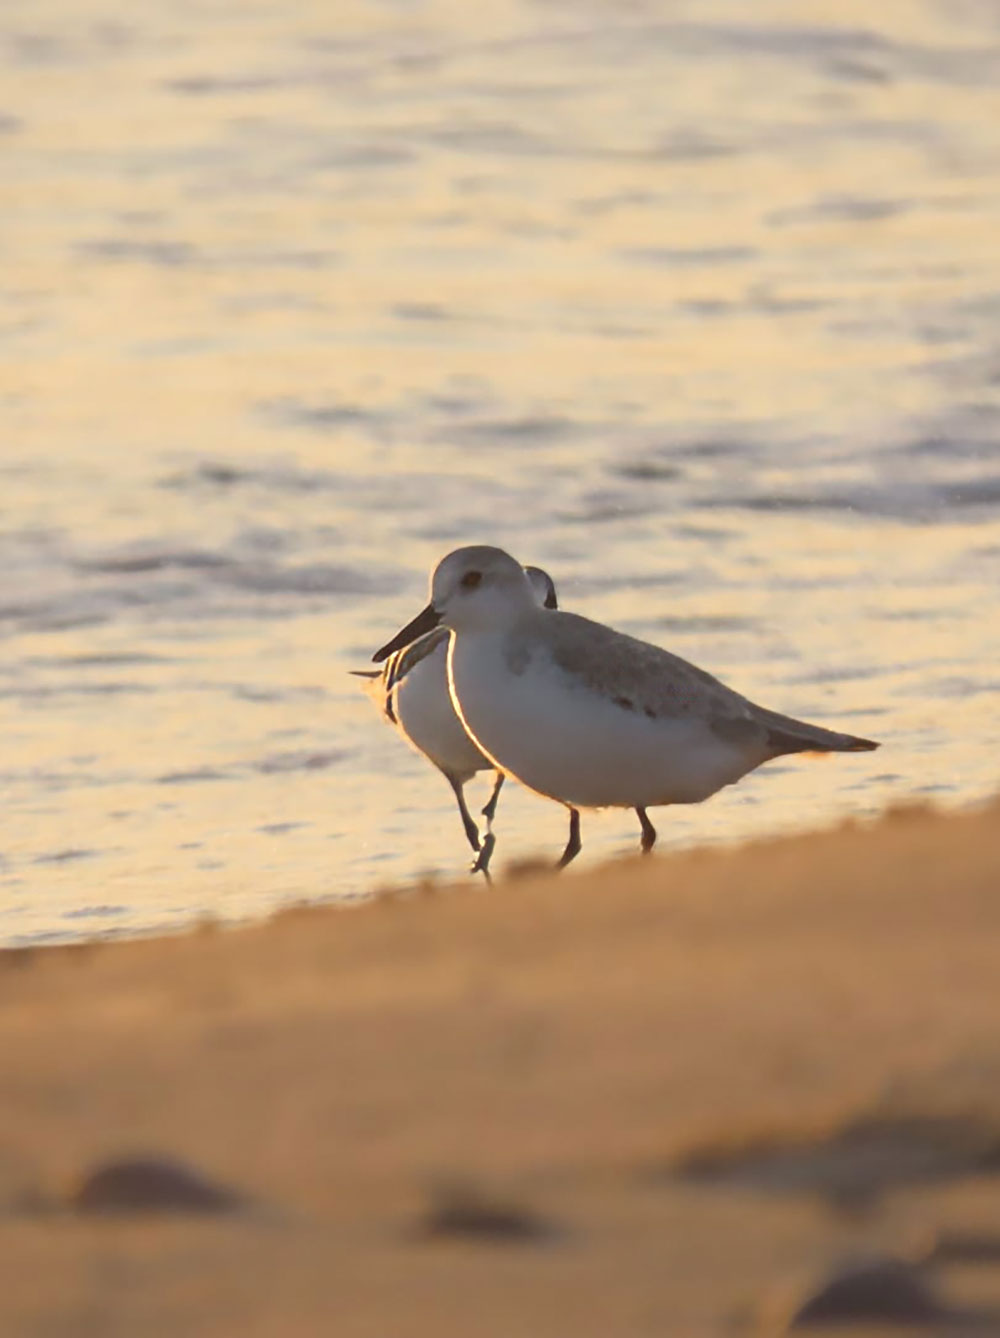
651, 1099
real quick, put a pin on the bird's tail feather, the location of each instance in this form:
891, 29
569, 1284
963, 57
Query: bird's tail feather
787, 735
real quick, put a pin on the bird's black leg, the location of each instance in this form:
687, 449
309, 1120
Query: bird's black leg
482, 862
490, 811
471, 830
648, 832
573, 845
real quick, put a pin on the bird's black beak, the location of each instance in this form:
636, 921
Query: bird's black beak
424, 622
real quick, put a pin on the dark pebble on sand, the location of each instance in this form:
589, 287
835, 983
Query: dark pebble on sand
465, 1212
151, 1185
874, 1290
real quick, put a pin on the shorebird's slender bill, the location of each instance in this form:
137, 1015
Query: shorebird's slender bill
424, 622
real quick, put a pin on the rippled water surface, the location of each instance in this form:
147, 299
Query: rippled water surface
695, 304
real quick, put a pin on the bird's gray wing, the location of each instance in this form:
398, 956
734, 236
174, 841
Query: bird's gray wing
401, 662
638, 676
380, 683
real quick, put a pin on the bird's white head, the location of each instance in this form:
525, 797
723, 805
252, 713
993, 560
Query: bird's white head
475, 587
480, 586
543, 587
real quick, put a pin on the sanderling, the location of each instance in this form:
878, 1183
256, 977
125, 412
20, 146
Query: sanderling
412, 692
588, 716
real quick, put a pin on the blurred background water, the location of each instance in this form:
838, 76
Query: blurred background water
693, 303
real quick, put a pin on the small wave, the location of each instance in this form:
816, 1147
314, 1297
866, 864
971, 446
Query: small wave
693, 256
840, 674
98, 659
248, 692
515, 431
318, 416
66, 856
164, 253
959, 446
143, 571
201, 85
38, 778
918, 501
99, 912
603, 508
690, 145
646, 580
138, 560
712, 448
707, 623
49, 692
304, 579
647, 471
972, 493
169, 253
420, 311
962, 686
303, 760
491, 136
839, 209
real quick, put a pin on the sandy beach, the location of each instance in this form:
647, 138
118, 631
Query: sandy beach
657, 1098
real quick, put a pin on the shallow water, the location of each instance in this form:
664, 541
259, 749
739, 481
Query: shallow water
693, 304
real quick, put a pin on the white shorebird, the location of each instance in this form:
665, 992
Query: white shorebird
411, 691
588, 716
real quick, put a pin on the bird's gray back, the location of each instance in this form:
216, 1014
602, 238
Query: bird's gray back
641, 677
635, 674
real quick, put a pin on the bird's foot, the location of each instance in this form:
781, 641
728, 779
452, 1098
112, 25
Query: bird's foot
481, 864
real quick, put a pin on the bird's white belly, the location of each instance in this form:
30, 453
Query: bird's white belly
569, 743
427, 718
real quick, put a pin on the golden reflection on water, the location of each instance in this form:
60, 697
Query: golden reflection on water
516, 249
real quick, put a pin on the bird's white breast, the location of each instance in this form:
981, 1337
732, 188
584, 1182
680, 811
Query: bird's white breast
426, 717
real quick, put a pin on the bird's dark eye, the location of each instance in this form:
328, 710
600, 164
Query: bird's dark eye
471, 579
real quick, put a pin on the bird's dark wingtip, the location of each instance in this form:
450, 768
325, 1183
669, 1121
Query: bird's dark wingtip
862, 746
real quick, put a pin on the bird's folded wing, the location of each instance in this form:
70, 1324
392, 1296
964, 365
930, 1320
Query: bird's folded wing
637, 675
401, 662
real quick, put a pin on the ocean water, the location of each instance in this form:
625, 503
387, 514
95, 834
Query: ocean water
695, 304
